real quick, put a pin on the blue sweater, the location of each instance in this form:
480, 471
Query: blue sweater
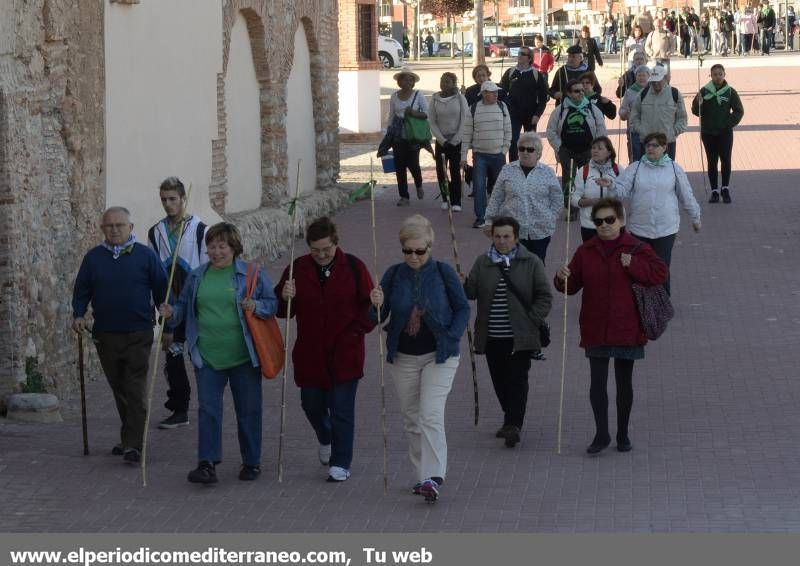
121, 290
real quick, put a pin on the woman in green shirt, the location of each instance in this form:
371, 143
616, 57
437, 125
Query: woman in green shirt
213, 303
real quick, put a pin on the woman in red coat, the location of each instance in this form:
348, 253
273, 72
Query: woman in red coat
604, 267
330, 303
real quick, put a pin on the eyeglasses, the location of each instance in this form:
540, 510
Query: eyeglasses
528, 149
407, 251
608, 220
320, 251
576, 91
652, 145
524, 54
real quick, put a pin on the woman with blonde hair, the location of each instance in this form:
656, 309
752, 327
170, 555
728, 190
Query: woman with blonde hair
423, 304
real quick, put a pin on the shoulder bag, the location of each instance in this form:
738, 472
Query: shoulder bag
654, 305
417, 130
267, 338
544, 328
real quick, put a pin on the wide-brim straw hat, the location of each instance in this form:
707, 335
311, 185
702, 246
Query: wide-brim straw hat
408, 72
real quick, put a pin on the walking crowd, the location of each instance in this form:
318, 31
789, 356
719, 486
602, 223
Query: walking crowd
629, 218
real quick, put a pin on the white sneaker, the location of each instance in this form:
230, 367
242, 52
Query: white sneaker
338, 474
456, 208
444, 206
324, 454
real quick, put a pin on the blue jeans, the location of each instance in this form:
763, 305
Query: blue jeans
245, 383
487, 167
331, 413
635, 149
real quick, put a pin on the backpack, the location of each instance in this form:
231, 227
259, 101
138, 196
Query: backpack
500, 104
675, 93
201, 232
586, 171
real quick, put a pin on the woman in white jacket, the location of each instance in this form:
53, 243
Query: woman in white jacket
655, 188
447, 115
602, 166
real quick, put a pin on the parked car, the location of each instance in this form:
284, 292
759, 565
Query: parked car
467, 51
514, 42
390, 52
447, 49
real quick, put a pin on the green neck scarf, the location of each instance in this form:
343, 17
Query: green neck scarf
713, 92
635, 87
663, 160
581, 106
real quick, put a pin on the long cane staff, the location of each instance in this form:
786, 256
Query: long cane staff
293, 213
564, 334
380, 335
700, 146
154, 368
445, 190
83, 395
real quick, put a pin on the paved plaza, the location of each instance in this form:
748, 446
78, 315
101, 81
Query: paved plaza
715, 418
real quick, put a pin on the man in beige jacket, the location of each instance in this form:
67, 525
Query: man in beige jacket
661, 45
659, 108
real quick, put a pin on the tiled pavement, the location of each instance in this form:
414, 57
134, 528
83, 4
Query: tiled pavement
713, 427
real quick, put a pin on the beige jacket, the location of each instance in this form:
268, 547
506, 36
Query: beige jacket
661, 44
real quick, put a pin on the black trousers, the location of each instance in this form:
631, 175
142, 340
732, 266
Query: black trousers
718, 149
598, 396
509, 371
178, 380
452, 155
538, 247
663, 248
406, 156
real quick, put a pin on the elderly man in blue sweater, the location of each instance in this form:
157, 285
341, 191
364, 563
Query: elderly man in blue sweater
122, 279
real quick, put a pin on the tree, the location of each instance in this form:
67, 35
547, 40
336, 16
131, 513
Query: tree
477, 42
445, 8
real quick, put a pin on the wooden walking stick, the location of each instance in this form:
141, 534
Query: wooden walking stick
293, 213
83, 395
701, 146
381, 355
564, 334
445, 190
154, 368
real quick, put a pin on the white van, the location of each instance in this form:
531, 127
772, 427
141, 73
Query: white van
390, 52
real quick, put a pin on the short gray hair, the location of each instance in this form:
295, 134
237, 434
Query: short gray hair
122, 209
416, 227
642, 69
531, 138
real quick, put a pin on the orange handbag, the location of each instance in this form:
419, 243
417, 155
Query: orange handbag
267, 338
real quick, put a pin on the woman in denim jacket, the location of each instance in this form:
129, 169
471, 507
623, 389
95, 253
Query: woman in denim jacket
212, 304
427, 314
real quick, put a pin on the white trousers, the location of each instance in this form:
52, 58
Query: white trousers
422, 388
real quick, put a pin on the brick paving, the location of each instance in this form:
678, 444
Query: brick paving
713, 423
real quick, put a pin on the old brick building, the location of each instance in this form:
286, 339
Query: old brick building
101, 99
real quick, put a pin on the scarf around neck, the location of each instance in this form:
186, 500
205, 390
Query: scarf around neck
713, 92
660, 162
582, 106
497, 257
125, 248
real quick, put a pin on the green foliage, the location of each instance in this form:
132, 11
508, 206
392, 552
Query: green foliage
34, 382
447, 7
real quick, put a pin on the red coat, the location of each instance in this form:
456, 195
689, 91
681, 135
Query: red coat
609, 316
331, 319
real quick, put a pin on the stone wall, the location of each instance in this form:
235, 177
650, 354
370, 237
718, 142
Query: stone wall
52, 151
51, 177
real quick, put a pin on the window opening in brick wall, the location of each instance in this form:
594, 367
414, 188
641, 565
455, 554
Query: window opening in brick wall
519, 3
367, 50
386, 9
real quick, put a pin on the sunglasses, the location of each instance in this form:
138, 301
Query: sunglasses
608, 220
407, 251
576, 91
527, 149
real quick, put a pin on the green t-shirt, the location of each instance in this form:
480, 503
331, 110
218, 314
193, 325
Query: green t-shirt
221, 339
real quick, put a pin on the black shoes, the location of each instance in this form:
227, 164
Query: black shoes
512, 436
132, 455
204, 473
176, 419
624, 444
598, 445
714, 197
726, 195
118, 450
249, 473
501, 432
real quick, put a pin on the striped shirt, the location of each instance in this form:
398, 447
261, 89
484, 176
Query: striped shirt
489, 131
499, 321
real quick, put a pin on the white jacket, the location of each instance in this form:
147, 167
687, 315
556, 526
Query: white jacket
597, 124
590, 189
654, 192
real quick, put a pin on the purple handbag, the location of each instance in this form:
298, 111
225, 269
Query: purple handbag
655, 307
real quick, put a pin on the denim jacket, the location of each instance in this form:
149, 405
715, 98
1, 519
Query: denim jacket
435, 287
185, 309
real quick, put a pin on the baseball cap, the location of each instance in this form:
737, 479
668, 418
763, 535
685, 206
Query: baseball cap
488, 86
658, 73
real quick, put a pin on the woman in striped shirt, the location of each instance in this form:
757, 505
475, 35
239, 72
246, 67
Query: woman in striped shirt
513, 297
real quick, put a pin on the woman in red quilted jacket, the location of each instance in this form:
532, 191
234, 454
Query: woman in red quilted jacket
604, 267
